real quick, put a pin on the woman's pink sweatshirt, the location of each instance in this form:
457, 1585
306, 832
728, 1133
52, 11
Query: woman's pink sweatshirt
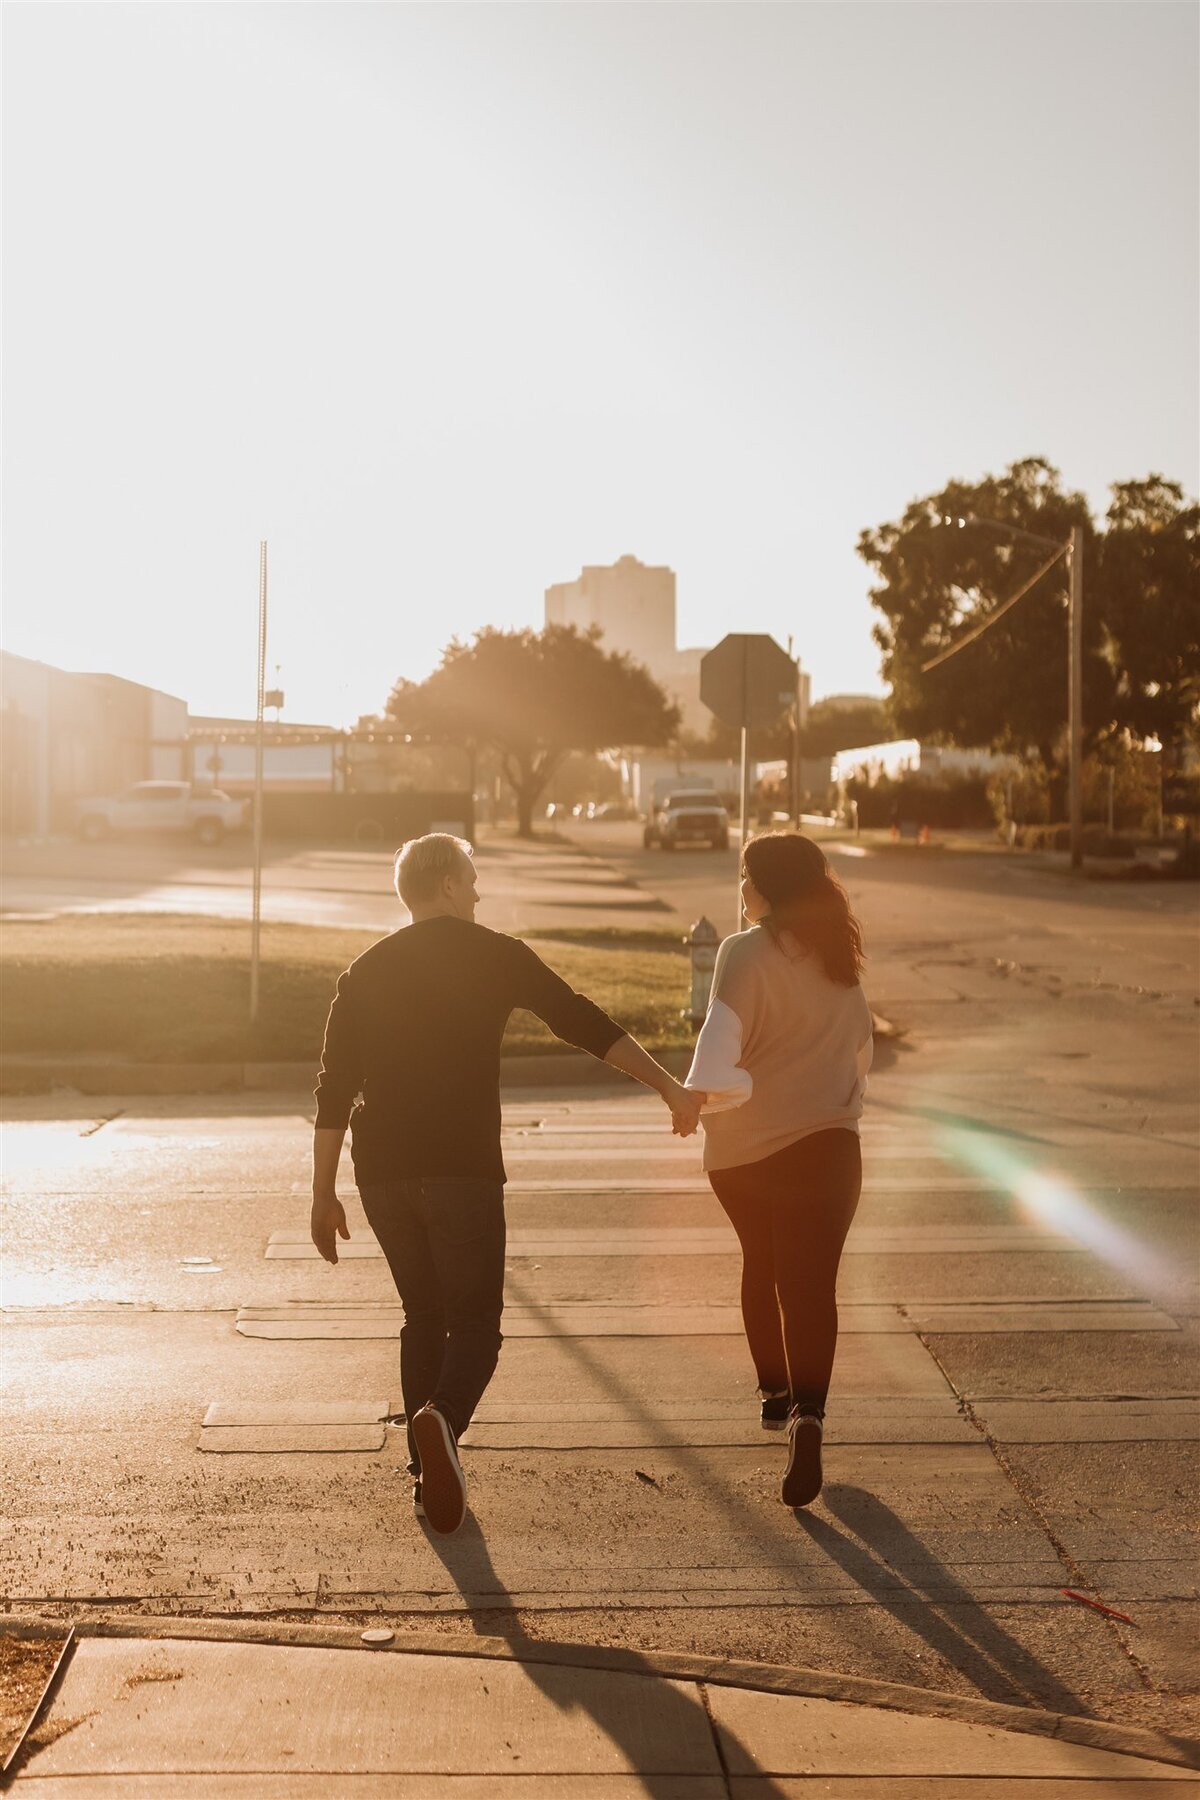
783, 1051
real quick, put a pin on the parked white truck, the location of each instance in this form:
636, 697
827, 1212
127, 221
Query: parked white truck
175, 806
687, 816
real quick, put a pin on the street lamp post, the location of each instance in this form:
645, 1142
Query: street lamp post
1072, 550
1075, 696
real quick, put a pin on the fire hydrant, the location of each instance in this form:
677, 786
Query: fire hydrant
702, 941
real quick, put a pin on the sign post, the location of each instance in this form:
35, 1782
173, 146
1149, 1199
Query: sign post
747, 681
256, 898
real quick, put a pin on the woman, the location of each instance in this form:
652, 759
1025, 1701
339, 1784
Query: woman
783, 1057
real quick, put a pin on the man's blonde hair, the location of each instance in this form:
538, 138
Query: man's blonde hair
423, 864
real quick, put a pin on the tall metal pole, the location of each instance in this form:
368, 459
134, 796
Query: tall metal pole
256, 905
743, 809
1075, 697
794, 776
744, 786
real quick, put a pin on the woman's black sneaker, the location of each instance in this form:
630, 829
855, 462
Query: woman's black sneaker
802, 1477
775, 1409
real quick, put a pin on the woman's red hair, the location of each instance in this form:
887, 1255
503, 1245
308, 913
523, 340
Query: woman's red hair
807, 899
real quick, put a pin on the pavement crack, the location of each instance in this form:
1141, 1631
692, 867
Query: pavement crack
101, 1123
718, 1746
1078, 1575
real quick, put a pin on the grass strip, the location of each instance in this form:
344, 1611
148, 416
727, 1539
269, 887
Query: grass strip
175, 988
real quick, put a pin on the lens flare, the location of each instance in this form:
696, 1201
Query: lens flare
1051, 1201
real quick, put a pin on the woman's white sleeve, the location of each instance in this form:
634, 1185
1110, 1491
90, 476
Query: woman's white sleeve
715, 1063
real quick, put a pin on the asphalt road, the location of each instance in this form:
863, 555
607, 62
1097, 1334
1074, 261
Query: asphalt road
1014, 1408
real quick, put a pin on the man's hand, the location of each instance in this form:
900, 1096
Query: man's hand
327, 1224
685, 1104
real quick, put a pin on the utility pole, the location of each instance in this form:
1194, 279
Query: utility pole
256, 903
744, 806
797, 722
1075, 696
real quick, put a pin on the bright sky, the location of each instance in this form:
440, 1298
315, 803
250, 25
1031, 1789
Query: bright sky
446, 301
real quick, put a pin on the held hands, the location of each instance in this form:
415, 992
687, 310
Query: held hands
327, 1224
685, 1104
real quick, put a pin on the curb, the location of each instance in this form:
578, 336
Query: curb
767, 1678
570, 1068
34, 1076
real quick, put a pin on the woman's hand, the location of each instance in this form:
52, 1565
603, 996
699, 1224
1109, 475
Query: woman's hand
685, 1104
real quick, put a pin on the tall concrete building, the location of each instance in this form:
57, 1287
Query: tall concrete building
633, 604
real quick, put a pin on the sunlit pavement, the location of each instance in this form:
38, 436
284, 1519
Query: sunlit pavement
1013, 1412
524, 885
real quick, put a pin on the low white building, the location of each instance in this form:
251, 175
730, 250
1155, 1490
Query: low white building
69, 735
925, 762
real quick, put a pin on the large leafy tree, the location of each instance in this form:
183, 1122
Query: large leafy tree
1150, 595
535, 696
935, 581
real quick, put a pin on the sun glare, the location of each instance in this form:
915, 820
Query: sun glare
1049, 1200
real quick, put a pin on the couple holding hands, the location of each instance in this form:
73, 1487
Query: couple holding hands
411, 1064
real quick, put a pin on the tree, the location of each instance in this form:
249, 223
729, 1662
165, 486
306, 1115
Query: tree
828, 729
1009, 688
535, 696
1149, 583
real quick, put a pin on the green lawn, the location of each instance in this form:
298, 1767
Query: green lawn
172, 988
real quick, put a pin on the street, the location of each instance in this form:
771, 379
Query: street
195, 1402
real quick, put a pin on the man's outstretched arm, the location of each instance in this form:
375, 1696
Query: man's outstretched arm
685, 1103
578, 1020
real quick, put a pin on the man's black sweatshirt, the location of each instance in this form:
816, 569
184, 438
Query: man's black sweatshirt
416, 1027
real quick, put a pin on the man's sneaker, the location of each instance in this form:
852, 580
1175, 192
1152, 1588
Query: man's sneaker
802, 1477
418, 1504
775, 1409
443, 1484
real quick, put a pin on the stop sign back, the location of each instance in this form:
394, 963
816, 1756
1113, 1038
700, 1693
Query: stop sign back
748, 680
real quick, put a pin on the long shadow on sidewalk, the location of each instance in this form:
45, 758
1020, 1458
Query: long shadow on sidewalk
682, 1718
899, 1573
999, 1667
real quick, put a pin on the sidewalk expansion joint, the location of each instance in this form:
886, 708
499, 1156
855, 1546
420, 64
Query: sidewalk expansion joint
718, 1746
1029, 1500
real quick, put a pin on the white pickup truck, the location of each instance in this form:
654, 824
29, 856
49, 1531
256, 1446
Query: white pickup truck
689, 816
203, 813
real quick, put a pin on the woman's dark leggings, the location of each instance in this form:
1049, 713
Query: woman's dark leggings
791, 1212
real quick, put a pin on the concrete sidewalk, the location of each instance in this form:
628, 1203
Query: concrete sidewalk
232, 1713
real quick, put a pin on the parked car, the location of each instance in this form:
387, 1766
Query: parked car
176, 806
613, 811
690, 816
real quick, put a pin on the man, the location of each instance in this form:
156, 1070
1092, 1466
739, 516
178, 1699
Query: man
416, 1027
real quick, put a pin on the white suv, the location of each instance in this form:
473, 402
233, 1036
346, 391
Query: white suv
205, 813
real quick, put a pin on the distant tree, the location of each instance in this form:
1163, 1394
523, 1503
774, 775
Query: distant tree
1009, 688
535, 696
1150, 599
829, 728
723, 743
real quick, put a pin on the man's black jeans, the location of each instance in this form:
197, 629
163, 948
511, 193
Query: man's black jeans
443, 1236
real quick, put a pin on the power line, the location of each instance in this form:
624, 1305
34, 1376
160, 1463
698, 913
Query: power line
977, 631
